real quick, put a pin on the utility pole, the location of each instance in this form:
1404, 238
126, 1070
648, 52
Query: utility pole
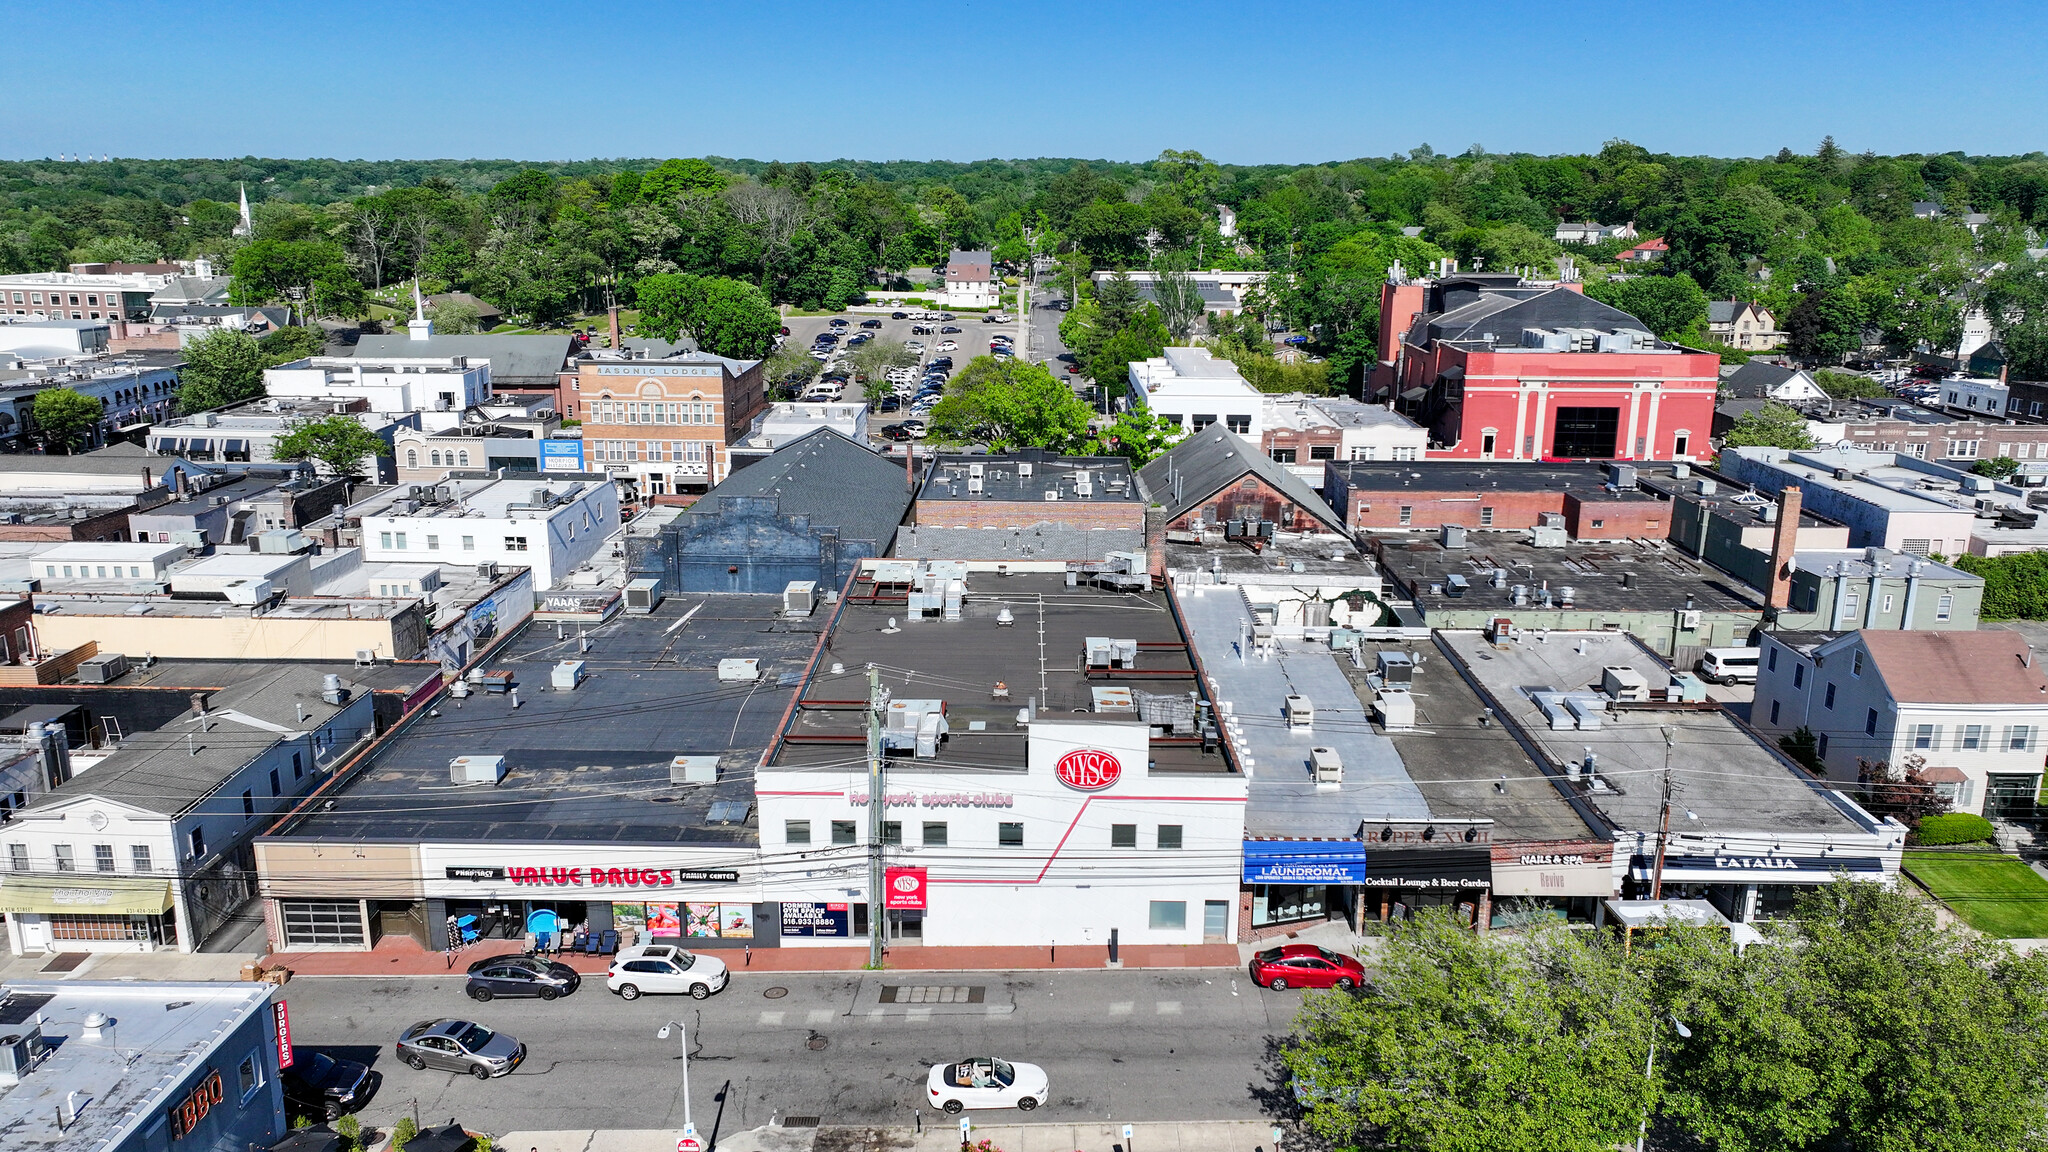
875, 810
1664, 826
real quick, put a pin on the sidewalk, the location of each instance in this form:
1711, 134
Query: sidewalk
941, 1134
402, 957
129, 966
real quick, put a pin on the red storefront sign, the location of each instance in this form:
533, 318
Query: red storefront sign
187, 1113
1088, 769
905, 889
284, 1034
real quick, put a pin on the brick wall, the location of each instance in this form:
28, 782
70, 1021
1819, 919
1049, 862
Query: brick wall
1382, 509
1249, 498
1124, 514
1934, 442
1594, 518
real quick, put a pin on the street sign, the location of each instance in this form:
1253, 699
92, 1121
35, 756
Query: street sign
1127, 1131
966, 1126
689, 1142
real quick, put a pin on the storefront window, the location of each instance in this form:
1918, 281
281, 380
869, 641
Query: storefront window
1275, 904
322, 923
127, 928
1776, 901
1169, 915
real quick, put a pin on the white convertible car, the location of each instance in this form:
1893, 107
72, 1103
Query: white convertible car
986, 1082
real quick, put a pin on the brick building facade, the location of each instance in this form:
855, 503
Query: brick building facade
663, 427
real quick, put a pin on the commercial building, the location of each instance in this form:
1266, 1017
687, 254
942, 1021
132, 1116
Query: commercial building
1221, 291
1748, 830
115, 1066
83, 295
235, 508
1676, 607
387, 384
117, 469
149, 848
1497, 367
531, 364
1594, 502
1030, 505
782, 424
971, 281
1304, 431
663, 428
1925, 435
514, 437
552, 525
1897, 502
617, 793
133, 388
1219, 481
248, 433
1044, 767
1190, 388
810, 512
1967, 708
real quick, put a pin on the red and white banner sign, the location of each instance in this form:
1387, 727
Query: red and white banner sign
284, 1034
905, 888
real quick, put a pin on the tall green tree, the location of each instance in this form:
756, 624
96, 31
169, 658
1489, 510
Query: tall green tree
339, 442
313, 275
222, 367
291, 343
1673, 307
65, 419
1007, 404
1180, 302
726, 317
1772, 426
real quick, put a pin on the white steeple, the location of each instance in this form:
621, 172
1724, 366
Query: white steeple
247, 227
419, 326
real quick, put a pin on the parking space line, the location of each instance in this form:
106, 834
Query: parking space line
817, 1016
772, 1019
918, 1016
1122, 1007
1167, 1008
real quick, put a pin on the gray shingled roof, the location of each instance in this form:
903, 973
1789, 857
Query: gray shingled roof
823, 475
1754, 380
512, 357
1722, 311
1211, 460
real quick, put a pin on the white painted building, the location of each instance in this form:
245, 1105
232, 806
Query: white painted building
1040, 855
1972, 707
1191, 388
552, 525
971, 281
83, 295
142, 851
391, 385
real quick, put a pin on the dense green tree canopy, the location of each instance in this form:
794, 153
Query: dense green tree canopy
339, 442
65, 418
222, 367
1006, 404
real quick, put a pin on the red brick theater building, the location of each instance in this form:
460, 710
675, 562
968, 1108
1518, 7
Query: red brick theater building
1502, 368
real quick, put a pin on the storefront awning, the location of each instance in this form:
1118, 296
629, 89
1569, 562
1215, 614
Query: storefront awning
1768, 869
85, 895
1304, 862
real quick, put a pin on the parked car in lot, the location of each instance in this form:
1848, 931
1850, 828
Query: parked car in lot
899, 315
871, 323
949, 328
914, 345
838, 322
460, 1046
986, 1082
908, 430
889, 404
1074, 369
1305, 966
319, 1085
520, 976
665, 968
948, 345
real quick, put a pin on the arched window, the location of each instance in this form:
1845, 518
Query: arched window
465, 458
412, 458
436, 455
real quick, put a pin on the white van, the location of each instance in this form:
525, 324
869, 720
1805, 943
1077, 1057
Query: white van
1728, 665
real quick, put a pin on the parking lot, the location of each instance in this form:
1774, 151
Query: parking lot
972, 340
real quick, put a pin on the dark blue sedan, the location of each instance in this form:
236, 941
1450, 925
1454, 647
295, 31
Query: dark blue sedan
520, 976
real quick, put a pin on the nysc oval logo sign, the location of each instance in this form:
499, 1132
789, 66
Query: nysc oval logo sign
1088, 770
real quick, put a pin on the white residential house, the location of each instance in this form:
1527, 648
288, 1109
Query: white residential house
552, 525
1971, 706
1588, 232
1743, 324
971, 281
1758, 380
1192, 389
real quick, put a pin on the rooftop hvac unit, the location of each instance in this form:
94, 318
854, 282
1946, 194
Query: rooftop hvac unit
567, 675
1548, 536
1396, 710
476, 770
1301, 714
1452, 536
282, 541
1024, 469
693, 770
643, 595
800, 598
974, 471
1084, 489
737, 670
974, 485
105, 668
1455, 585
248, 591
487, 570
19, 1052
1622, 683
1326, 765
1397, 668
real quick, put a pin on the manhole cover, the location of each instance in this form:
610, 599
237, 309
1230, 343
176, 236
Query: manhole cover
816, 1043
775, 993
933, 993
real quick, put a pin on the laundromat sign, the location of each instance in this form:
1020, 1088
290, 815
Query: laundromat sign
602, 877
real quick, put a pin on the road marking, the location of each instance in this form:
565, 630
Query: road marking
1167, 1007
919, 1015
772, 1019
874, 1015
1122, 1008
817, 1016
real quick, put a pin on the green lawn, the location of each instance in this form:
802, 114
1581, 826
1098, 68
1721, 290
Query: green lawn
1992, 892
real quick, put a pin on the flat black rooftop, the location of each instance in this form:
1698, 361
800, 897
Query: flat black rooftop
1662, 577
1467, 475
1111, 480
961, 661
1456, 762
592, 764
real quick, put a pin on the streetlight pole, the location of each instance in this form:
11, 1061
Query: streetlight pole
1663, 835
1650, 1066
876, 812
689, 1142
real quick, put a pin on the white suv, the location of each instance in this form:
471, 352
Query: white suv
665, 968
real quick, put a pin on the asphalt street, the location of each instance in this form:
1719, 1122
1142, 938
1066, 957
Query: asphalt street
1123, 1045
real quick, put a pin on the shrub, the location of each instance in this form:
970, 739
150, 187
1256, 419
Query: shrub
1951, 828
402, 1133
350, 1130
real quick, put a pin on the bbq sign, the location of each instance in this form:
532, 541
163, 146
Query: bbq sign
1088, 770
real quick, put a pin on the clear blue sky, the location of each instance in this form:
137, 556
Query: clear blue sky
969, 79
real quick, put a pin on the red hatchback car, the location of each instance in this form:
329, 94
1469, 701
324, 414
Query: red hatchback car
1305, 966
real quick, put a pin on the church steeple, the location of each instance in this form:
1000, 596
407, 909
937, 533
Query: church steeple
419, 326
247, 227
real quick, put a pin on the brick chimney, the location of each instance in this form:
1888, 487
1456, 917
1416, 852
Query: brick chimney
613, 312
1783, 544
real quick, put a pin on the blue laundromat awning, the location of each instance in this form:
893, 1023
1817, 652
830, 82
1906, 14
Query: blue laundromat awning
1304, 862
